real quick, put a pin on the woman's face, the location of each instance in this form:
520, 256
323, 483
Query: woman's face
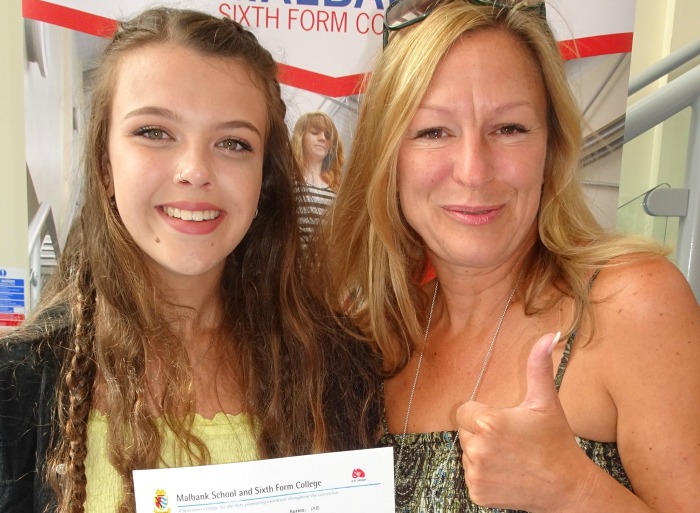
471, 164
186, 143
316, 144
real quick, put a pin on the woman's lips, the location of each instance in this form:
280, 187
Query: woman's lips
473, 215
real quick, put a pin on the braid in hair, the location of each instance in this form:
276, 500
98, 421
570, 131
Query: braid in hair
78, 385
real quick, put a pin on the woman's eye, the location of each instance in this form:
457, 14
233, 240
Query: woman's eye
235, 145
151, 133
431, 133
511, 129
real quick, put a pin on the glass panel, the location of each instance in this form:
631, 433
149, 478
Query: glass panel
632, 219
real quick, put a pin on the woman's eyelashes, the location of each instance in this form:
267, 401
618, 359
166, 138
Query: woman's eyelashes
506, 129
431, 133
511, 129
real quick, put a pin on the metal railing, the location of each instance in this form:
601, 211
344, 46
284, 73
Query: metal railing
41, 224
664, 67
677, 95
612, 136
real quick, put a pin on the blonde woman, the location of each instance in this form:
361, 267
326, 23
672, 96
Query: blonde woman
461, 237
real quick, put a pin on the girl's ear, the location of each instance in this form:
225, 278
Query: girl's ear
107, 176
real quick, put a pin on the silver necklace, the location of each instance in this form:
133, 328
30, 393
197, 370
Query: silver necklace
420, 362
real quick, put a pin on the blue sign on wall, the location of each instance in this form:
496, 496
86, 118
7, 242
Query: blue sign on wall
12, 294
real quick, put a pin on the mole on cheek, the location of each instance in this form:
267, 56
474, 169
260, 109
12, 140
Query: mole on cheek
157, 240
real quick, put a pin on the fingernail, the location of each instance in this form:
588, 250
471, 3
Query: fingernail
554, 342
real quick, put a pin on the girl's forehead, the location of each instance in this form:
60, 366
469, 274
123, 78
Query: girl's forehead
318, 122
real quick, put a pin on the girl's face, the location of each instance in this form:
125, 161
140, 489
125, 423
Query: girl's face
316, 144
186, 144
471, 165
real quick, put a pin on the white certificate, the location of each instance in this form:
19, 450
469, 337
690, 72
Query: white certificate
337, 482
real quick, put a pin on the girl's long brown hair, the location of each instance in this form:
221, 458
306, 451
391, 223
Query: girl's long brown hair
309, 388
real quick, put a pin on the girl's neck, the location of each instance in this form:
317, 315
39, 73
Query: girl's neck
312, 175
198, 293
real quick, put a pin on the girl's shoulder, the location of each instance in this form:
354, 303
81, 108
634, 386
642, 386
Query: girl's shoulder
35, 342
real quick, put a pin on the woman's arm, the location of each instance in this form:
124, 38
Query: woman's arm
646, 330
652, 330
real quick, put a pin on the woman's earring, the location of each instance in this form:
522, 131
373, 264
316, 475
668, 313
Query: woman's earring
256, 213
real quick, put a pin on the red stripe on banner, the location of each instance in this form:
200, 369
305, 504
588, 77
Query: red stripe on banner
605, 44
69, 18
319, 83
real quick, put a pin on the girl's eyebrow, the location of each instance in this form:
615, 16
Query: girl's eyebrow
169, 114
153, 111
240, 123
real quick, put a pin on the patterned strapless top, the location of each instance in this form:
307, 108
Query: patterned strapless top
431, 476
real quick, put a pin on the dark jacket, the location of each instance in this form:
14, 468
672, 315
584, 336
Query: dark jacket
27, 385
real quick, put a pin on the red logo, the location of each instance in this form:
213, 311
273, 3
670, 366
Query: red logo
358, 472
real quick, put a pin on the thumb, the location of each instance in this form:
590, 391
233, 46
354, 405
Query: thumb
540, 384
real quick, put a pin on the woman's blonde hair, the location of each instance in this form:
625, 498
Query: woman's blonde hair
377, 259
332, 166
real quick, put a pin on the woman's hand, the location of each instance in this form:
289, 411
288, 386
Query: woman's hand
521, 457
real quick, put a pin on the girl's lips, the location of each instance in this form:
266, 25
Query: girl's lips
191, 218
190, 215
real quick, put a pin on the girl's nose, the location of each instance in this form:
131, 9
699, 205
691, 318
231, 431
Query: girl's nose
194, 166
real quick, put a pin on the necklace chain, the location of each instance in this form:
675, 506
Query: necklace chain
199, 359
420, 362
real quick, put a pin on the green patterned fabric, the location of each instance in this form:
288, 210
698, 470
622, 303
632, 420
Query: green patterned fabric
430, 478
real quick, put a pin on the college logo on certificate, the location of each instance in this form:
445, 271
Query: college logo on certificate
161, 500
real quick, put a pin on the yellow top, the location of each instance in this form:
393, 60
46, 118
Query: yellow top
229, 439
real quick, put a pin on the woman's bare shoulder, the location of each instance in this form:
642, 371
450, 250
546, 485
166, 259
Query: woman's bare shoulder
647, 319
646, 288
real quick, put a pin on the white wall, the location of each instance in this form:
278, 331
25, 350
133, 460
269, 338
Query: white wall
52, 101
13, 186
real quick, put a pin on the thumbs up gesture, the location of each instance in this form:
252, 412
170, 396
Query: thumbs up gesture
516, 458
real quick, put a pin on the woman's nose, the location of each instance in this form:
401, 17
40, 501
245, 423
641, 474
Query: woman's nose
470, 163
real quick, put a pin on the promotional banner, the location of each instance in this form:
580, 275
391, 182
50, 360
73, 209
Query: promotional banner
325, 46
